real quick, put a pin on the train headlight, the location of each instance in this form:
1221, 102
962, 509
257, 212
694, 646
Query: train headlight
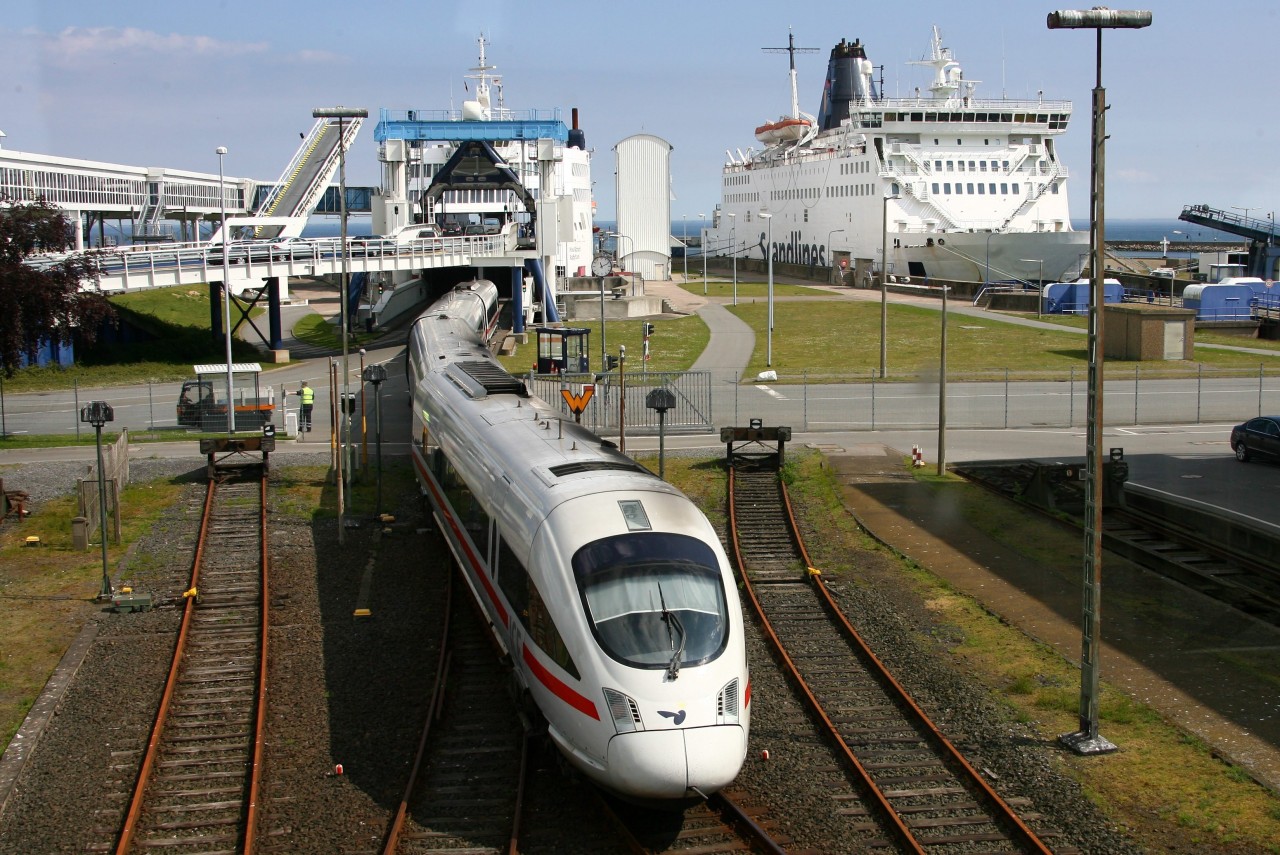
626, 715
727, 707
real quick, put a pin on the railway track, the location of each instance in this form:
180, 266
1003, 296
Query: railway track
197, 787
725, 822
1164, 546
914, 790
467, 783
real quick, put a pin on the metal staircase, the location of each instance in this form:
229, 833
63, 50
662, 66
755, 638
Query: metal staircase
304, 180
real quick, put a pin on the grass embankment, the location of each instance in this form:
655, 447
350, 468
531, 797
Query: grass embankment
48, 592
175, 325
1166, 788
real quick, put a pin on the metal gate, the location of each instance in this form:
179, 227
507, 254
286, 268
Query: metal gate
691, 390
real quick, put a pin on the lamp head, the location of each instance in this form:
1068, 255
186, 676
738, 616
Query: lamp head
1099, 18
220, 150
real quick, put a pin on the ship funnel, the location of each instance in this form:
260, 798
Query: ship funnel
848, 80
577, 139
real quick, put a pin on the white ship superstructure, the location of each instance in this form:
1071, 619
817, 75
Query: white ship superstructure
550, 162
966, 189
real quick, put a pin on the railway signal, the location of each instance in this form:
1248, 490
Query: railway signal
97, 414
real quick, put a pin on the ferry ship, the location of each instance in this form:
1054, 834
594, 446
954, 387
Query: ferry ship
953, 187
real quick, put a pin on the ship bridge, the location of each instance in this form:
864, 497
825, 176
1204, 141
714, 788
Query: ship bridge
1264, 244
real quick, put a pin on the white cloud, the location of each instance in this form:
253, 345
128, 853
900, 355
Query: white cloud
75, 45
90, 47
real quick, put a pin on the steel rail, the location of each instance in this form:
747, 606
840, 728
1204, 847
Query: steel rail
129, 836
1004, 813
392, 841
811, 701
260, 714
162, 714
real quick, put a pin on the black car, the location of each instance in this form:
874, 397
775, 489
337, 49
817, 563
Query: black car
1257, 437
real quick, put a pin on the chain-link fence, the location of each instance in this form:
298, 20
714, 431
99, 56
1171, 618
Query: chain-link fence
1134, 395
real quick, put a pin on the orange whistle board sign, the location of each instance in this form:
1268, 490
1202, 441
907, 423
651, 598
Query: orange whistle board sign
578, 403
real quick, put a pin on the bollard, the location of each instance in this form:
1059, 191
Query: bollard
79, 533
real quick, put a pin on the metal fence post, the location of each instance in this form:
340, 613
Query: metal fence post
1135, 394
1259, 388
873, 403
1006, 399
1071, 398
151, 409
1199, 380
805, 379
737, 384
75, 388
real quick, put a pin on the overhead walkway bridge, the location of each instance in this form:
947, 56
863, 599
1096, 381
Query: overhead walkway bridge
260, 270
1264, 245
151, 198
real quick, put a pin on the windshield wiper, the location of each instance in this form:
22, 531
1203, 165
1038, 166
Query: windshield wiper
670, 619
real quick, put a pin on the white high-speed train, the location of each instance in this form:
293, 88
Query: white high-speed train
607, 587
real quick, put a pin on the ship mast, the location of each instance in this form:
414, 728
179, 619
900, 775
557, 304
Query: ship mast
948, 77
481, 74
792, 50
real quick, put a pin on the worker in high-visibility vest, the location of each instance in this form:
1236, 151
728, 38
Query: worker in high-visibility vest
308, 396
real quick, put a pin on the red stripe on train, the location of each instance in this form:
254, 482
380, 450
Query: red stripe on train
558, 687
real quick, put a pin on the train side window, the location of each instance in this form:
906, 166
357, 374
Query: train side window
529, 607
467, 507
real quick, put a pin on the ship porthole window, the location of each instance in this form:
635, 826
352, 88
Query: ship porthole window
894, 189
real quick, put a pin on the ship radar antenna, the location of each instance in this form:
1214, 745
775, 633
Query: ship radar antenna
947, 74
792, 50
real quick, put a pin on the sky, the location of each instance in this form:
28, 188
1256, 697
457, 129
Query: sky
163, 84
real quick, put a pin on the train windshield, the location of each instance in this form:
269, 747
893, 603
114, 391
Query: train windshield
654, 600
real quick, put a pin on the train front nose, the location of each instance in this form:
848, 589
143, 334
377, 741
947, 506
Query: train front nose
676, 764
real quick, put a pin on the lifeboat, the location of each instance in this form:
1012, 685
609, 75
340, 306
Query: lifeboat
785, 129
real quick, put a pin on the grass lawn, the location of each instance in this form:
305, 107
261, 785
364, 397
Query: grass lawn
842, 339
813, 338
674, 345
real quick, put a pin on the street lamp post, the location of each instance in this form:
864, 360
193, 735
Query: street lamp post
703, 248
619, 236
733, 246
1087, 740
942, 389
97, 414
344, 475
768, 358
1039, 281
685, 254
884, 283
226, 290
364, 427
376, 374
830, 248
